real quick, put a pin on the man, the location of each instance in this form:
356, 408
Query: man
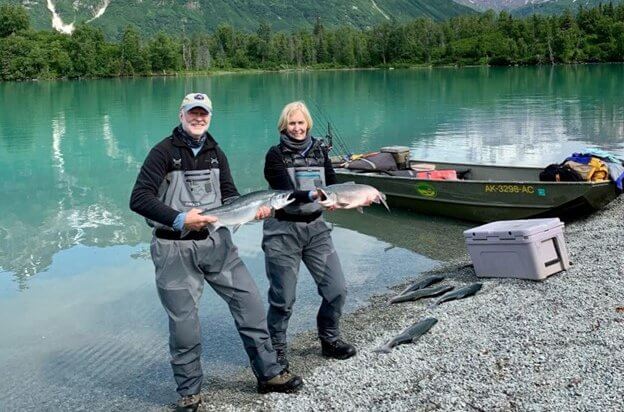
183, 175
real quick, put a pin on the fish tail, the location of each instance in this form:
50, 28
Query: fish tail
382, 198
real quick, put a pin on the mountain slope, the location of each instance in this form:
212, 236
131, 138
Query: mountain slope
558, 6
528, 7
175, 16
497, 5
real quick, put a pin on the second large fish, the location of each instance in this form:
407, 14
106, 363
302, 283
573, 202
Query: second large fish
350, 196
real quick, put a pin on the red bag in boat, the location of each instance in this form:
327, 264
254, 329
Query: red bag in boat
437, 175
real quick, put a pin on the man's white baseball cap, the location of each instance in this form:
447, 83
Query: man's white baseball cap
194, 100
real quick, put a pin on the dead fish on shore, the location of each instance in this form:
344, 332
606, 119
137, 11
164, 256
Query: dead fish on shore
421, 293
458, 294
408, 335
350, 196
243, 209
422, 283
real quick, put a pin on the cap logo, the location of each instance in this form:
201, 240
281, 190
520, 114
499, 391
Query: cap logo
199, 97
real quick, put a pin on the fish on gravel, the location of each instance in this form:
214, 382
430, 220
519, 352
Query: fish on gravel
408, 335
421, 293
350, 196
458, 294
243, 209
422, 283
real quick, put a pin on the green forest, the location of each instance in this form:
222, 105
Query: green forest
586, 36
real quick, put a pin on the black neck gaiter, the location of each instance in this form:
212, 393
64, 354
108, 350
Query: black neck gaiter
296, 145
189, 140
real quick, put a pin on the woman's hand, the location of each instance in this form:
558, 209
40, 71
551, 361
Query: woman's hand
263, 212
328, 204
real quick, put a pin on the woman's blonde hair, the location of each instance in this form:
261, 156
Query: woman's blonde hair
288, 110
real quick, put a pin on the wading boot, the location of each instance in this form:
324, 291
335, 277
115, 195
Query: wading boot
285, 382
188, 403
337, 349
281, 358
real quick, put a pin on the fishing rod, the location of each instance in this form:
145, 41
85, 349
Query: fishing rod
341, 144
318, 114
330, 135
329, 121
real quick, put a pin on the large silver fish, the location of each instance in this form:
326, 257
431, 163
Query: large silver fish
350, 196
458, 294
421, 293
243, 209
408, 335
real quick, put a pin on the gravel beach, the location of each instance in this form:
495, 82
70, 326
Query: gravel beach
516, 345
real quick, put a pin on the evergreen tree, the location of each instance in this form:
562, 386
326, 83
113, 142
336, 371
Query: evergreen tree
132, 59
85, 48
13, 19
164, 53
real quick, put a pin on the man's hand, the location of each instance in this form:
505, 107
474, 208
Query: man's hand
195, 221
263, 212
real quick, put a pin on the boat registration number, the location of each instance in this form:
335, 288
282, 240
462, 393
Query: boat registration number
525, 189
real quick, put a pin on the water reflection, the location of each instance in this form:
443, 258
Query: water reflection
436, 237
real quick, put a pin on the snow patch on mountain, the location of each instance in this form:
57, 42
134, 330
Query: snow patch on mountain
100, 11
57, 22
379, 10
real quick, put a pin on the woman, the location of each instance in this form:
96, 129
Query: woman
298, 232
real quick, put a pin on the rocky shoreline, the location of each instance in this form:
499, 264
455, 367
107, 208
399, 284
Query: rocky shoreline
516, 345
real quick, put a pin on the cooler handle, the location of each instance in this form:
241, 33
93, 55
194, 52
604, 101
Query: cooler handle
558, 251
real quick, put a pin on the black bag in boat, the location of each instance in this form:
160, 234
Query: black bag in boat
379, 161
560, 173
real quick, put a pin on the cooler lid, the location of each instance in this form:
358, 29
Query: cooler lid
512, 229
394, 149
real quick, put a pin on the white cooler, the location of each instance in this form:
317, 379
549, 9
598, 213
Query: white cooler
527, 249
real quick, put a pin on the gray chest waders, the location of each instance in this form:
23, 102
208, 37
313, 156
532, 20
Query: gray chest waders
287, 243
182, 267
184, 190
306, 173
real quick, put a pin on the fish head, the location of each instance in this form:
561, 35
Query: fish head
280, 200
326, 197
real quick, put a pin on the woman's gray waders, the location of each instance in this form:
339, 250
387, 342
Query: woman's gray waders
285, 245
181, 268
